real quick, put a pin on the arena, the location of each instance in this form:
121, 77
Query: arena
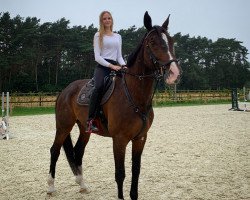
192, 152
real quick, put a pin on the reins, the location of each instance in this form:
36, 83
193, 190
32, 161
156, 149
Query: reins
156, 76
159, 71
143, 115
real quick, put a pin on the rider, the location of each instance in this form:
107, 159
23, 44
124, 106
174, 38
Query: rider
108, 54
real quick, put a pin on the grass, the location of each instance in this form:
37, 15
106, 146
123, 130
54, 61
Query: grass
192, 103
22, 111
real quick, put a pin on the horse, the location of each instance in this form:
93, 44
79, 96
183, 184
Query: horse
128, 111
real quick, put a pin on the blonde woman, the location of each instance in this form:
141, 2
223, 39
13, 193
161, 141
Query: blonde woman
108, 55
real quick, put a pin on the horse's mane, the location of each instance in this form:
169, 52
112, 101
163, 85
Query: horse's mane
132, 56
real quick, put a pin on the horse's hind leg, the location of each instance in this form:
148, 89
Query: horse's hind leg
79, 152
55, 152
69, 151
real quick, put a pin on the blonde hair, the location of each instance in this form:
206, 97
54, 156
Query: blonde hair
101, 27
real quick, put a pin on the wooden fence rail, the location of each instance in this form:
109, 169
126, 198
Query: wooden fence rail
33, 99
192, 95
48, 99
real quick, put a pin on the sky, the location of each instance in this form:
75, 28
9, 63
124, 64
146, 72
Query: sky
212, 19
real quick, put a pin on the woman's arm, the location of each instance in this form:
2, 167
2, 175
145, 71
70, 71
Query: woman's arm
119, 52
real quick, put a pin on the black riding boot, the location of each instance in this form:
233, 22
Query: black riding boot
94, 104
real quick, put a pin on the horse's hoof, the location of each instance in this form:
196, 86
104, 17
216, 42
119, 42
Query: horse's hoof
51, 190
83, 187
85, 190
50, 196
50, 182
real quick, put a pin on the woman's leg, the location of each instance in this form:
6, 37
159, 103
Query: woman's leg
96, 97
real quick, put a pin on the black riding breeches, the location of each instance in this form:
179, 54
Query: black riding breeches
99, 76
100, 73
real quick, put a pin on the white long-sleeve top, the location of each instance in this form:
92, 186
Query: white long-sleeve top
111, 49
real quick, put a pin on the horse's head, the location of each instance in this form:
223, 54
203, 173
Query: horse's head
159, 51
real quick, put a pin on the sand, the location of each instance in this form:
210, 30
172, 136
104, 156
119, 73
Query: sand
195, 152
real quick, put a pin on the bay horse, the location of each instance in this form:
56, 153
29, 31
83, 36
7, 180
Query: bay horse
128, 111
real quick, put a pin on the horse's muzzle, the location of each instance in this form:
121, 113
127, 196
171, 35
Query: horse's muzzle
173, 74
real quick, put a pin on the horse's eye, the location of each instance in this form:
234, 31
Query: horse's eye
152, 42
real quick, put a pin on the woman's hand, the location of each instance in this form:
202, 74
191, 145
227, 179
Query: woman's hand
115, 67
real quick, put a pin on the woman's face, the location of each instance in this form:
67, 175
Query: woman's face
107, 20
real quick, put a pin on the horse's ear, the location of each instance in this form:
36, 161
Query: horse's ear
147, 21
165, 24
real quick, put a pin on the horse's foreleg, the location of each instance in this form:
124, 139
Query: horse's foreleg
79, 152
137, 148
119, 148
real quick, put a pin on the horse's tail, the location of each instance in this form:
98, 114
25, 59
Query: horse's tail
69, 151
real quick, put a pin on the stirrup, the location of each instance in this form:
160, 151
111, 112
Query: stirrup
91, 127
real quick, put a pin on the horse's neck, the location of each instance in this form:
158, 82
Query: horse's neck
141, 89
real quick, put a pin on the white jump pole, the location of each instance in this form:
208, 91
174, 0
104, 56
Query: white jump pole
7, 105
2, 104
7, 113
5, 118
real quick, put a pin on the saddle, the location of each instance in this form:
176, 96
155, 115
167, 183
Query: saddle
84, 99
86, 91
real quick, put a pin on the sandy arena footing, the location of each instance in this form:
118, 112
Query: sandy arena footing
193, 152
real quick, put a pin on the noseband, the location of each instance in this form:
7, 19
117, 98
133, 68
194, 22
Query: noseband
158, 65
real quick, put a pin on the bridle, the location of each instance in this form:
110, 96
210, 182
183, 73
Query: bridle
159, 70
158, 65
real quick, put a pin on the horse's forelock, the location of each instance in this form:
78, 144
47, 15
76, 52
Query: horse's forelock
160, 30
132, 56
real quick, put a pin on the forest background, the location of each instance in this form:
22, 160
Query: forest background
46, 57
